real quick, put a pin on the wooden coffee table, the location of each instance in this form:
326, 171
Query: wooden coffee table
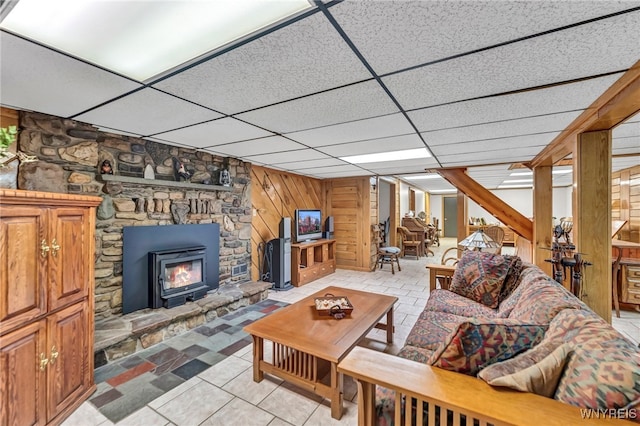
307, 347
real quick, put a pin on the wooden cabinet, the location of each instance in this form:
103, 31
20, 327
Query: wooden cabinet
630, 283
312, 260
46, 305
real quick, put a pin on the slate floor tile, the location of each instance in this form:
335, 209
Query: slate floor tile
190, 369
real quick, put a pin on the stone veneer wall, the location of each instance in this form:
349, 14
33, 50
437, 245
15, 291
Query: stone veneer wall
70, 154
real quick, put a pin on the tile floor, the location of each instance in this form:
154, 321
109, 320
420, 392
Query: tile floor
204, 377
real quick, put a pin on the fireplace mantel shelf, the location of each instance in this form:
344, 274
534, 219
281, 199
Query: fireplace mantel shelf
169, 183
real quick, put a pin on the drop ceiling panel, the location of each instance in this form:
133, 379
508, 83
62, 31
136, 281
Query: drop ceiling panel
305, 57
256, 147
38, 79
395, 35
214, 133
496, 145
311, 164
547, 59
567, 97
291, 156
395, 143
631, 128
334, 174
349, 103
147, 112
499, 130
342, 170
621, 163
379, 127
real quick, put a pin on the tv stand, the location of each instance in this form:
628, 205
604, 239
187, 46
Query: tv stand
312, 260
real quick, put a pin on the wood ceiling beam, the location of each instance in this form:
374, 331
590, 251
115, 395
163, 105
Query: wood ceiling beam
522, 225
616, 104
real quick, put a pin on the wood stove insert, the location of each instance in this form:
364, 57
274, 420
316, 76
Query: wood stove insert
177, 275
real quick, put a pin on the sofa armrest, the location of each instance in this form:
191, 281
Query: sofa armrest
452, 391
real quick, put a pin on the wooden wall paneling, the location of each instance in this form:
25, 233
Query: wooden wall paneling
592, 216
373, 220
274, 195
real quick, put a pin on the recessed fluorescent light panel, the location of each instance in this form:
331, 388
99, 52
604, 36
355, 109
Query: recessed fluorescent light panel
142, 39
442, 191
422, 177
555, 172
519, 181
514, 186
407, 154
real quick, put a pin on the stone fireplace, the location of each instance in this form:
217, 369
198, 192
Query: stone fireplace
177, 275
70, 154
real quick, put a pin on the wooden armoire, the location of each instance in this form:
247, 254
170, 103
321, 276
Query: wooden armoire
46, 305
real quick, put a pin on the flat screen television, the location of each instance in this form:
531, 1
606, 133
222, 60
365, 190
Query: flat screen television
308, 225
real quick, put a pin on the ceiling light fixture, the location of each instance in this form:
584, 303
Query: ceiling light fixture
514, 186
143, 39
518, 181
408, 154
442, 191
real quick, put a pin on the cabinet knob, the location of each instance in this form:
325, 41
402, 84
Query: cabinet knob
54, 247
43, 362
54, 355
44, 248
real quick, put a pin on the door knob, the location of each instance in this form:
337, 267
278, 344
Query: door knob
44, 248
54, 247
54, 355
43, 362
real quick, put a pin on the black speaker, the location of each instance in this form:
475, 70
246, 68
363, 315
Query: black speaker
280, 250
285, 228
328, 224
328, 228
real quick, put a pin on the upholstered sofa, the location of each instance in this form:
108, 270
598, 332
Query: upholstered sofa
505, 344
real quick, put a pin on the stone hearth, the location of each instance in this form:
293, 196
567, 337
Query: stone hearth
117, 337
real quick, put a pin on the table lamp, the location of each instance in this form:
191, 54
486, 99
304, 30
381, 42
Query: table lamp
478, 240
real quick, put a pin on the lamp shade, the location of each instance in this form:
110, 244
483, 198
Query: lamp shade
478, 239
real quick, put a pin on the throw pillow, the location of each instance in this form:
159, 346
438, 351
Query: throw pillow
512, 279
480, 276
478, 343
540, 378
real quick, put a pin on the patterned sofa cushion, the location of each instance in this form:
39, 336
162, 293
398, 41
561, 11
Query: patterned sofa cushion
432, 328
540, 377
512, 281
478, 343
542, 299
452, 303
480, 276
528, 276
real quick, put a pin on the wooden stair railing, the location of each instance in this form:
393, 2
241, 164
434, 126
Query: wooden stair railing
522, 225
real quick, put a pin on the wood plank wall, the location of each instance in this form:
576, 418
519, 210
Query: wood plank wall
348, 200
276, 194
625, 205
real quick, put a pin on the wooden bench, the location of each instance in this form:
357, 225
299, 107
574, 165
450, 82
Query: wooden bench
458, 393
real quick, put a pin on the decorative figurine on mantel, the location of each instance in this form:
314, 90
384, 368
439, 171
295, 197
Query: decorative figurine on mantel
181, 173
106, 168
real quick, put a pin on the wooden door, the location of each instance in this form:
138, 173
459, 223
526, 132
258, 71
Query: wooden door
70, 369
68, 256
22, 267
23, 383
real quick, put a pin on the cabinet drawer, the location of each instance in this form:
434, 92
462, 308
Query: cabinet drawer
632, 297
633, 285
633, 271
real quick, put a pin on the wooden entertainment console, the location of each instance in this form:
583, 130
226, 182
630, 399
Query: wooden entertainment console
312, 260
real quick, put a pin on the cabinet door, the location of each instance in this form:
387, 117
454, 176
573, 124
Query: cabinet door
23, 383
22, 266
69, 256
70, 368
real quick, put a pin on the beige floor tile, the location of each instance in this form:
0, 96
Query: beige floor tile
289, 405
225, 370
174, 393
322, 416
279, 422
244, 387
239, 412
195, 405
144, 416
86, 415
